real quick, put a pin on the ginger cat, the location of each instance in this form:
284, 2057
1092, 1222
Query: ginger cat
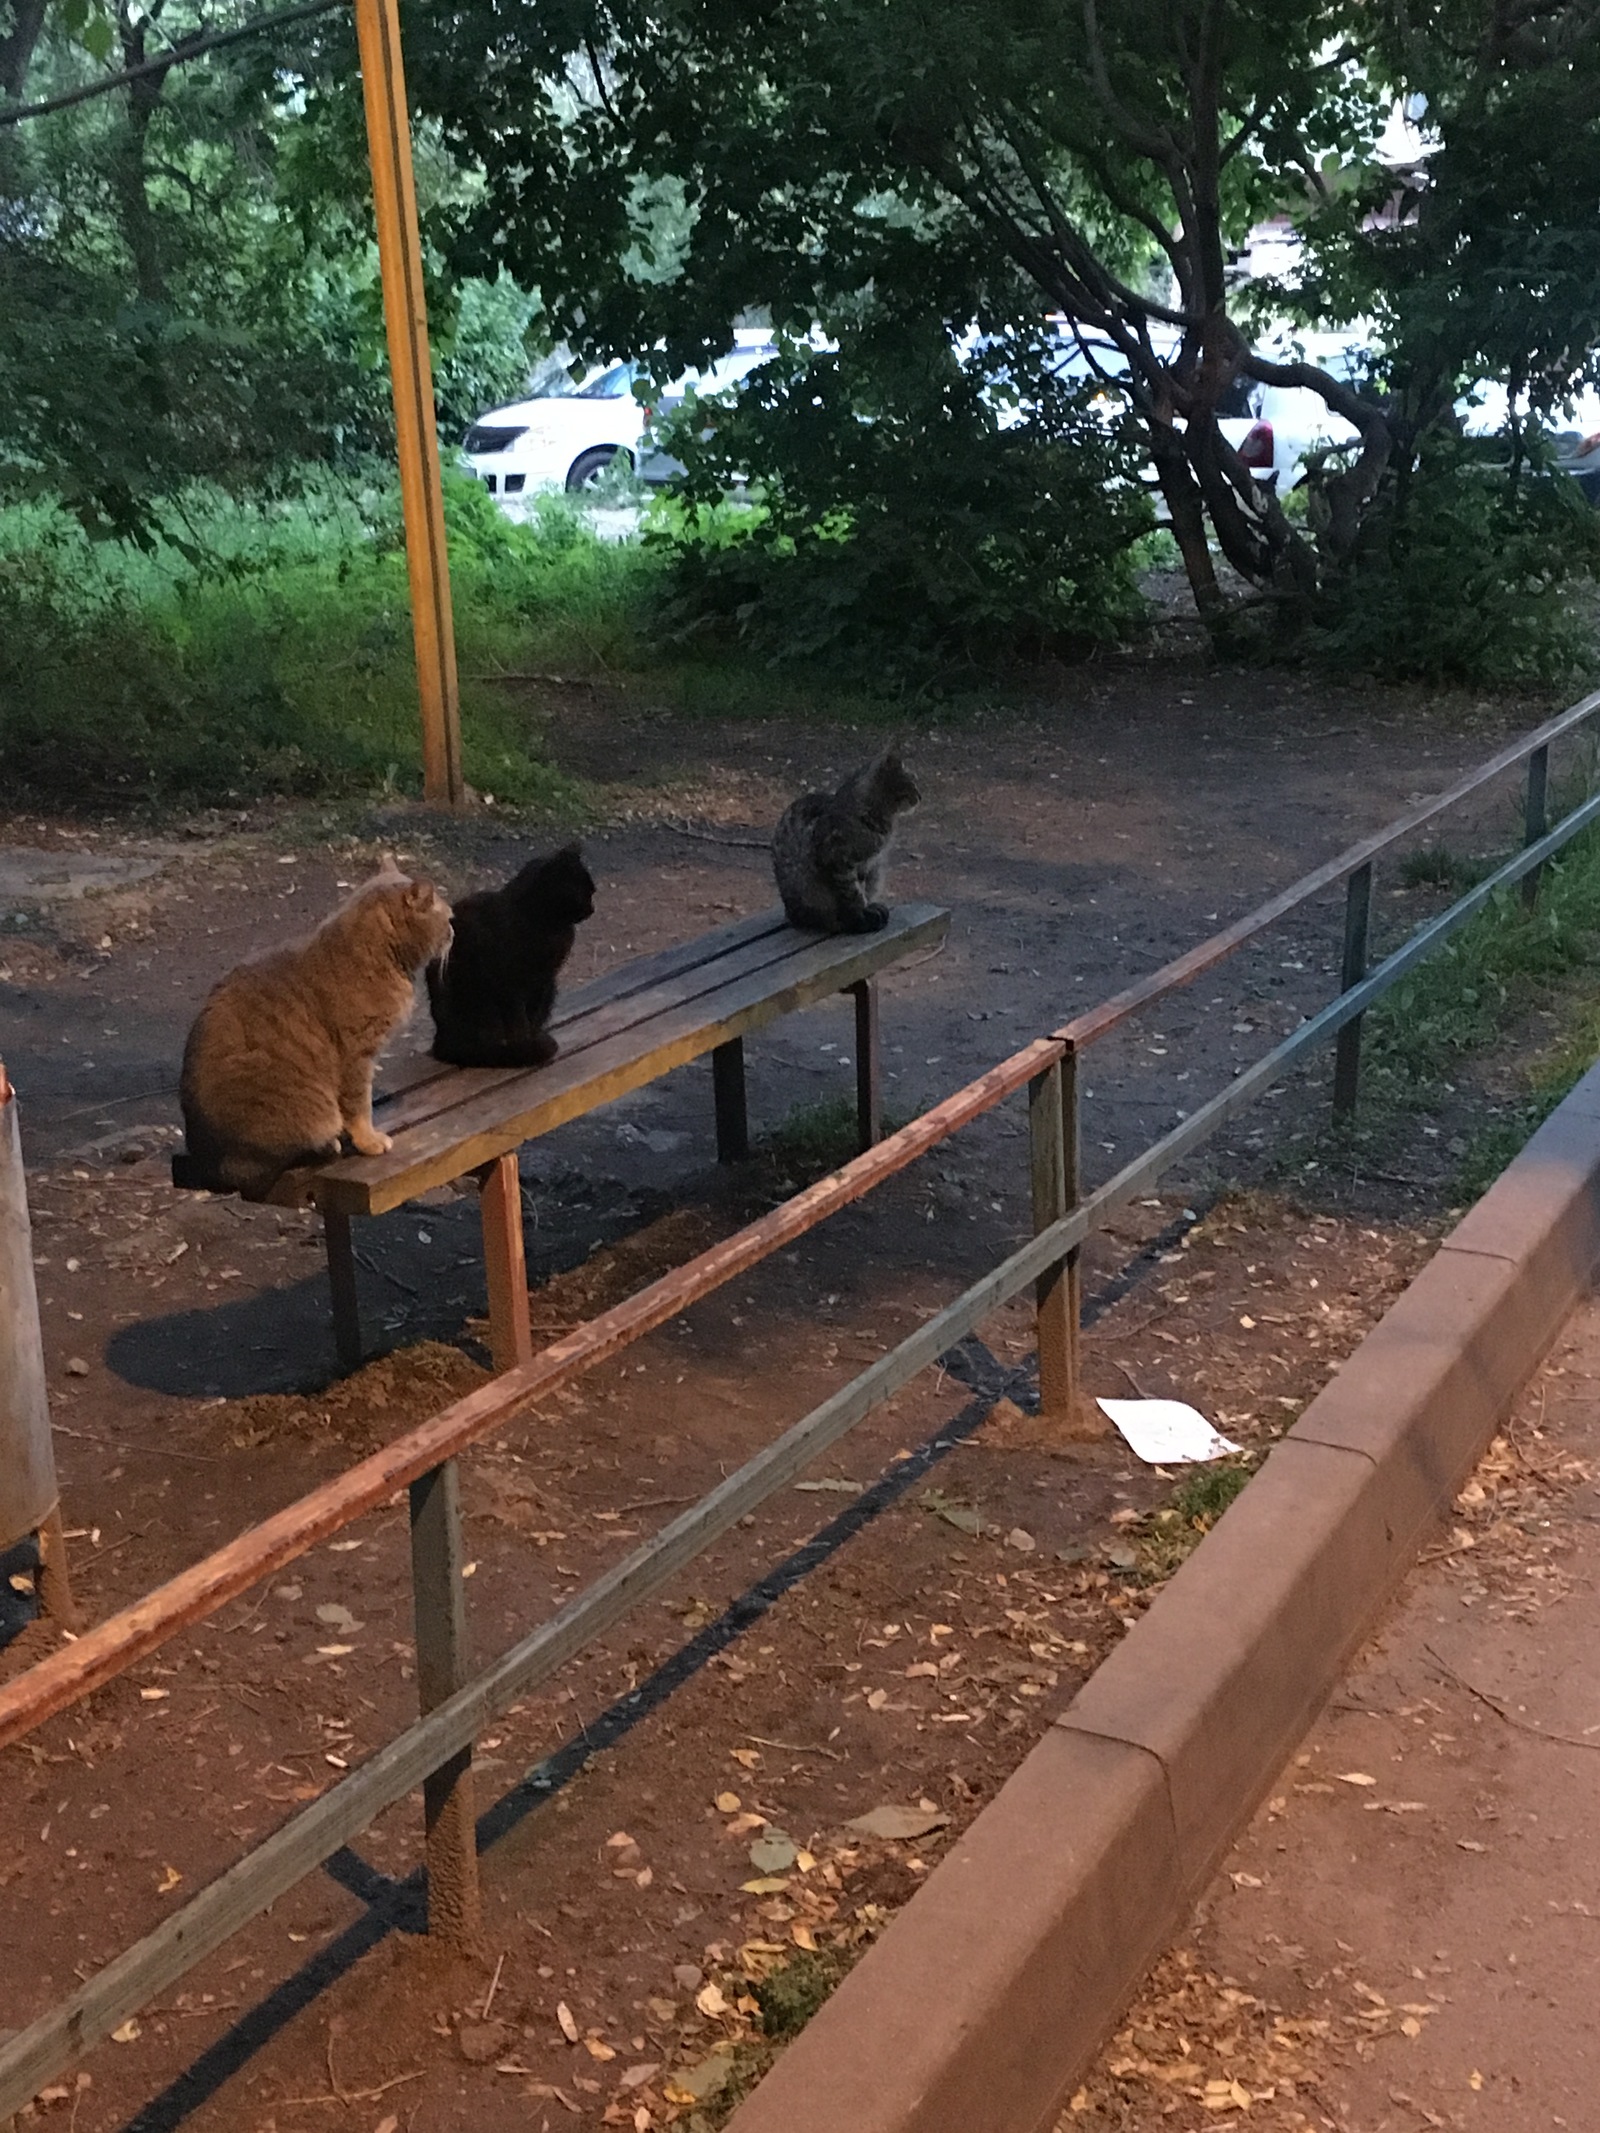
278, 1066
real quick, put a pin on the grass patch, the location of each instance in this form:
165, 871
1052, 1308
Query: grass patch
1474, 992
1435, 866
263, 646
787, 1997
1484, 980
818, 1137
1172, 1533
1551, 1077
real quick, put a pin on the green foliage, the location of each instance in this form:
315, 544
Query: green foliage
1435, 866
1171, 1533
1490, 269
1465, 571
910, 509
1484, 978
188, 280
266, 648
788, 1997
818, 1137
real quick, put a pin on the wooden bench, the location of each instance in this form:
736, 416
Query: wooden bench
625, 1029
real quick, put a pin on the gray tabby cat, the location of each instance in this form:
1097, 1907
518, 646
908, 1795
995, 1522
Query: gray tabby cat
829, 848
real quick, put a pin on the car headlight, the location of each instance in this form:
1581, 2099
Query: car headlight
491, 437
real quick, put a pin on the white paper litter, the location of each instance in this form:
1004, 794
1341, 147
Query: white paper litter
1166, 1432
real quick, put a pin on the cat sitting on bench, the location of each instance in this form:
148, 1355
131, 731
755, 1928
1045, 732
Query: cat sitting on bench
278, 1066
829, 849
493, 995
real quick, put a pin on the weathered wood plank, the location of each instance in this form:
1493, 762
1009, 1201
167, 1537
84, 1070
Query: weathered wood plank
456, 1086
487, 1126
505, 1263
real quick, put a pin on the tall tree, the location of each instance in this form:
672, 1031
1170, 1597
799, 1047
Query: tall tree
1001, 158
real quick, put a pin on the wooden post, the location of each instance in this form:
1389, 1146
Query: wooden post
405, 319
1347, 1045
869, 1065
342, 1287
728, 1095
1053, 1132
1535, 819
29, 1496
505, 1263
440, 1604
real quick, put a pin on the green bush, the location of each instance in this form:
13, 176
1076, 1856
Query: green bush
1464, 573
907, 509
265, 647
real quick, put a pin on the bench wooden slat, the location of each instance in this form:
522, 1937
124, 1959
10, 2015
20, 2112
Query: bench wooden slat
491, 1123
412, 1070
581, 1033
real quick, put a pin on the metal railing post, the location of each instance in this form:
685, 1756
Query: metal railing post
440, 1606
1535, 819
1357, 929
1053, 1137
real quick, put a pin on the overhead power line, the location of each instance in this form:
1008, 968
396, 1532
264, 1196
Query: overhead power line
181, 53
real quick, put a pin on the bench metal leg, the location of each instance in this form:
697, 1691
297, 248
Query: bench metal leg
439, 1600
869, 1064
505, 1264
342, 1282
728, 1094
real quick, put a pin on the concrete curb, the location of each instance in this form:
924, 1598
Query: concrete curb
989, 1994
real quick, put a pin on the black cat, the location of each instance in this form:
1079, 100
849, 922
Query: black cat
494, 992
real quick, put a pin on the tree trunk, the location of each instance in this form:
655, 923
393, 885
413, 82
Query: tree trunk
17, 47
140, 230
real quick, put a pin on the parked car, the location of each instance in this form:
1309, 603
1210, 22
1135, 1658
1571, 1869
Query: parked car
569, 439
1271, 427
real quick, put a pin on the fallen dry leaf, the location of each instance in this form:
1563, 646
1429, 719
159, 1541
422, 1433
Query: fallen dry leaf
569, 2027
1355, 1777
728, 1803
127, 2031
170, 1877
773, 1851
710, 2001
897, 1822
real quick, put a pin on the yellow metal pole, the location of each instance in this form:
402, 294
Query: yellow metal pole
405, 318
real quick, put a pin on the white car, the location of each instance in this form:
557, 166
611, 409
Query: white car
1271, 427
568, 439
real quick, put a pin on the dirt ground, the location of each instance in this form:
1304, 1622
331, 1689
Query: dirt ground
634, 1915
1405, 1936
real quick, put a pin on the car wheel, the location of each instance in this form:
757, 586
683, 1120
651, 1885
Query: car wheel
586, 470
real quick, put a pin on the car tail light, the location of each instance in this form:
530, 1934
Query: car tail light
1256, 452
